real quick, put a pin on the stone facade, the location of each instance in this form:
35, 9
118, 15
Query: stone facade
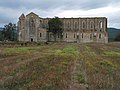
33, 28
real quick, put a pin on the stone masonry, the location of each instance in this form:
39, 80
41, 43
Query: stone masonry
33, 28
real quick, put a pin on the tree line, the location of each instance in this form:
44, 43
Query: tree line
9, 32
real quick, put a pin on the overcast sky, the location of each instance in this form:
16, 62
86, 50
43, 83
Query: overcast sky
10, 10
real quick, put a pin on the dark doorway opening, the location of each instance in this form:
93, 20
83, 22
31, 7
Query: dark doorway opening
31, 39
77, 36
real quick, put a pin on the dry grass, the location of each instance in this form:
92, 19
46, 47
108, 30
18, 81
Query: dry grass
36, 68
49, 67
101, 66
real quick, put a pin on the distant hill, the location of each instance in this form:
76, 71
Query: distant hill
112, 33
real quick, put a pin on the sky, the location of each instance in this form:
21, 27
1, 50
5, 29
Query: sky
10, 10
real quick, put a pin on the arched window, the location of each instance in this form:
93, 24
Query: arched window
68, 24
90, 36
66, 35
32, 25
74, 35
82, 35
91, 25
83, 24
77, 36
101, 24
76, 25
40, 21
100, 36
40, 34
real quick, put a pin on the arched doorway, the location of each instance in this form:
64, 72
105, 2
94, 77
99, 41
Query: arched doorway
31, 40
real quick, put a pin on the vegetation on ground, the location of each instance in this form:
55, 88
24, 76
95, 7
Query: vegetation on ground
60, 66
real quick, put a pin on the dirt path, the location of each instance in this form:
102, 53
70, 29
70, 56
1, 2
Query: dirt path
75, 85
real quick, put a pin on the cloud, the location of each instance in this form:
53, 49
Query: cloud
10, 10
52, 4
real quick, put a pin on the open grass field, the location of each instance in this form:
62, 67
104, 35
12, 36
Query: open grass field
61, 66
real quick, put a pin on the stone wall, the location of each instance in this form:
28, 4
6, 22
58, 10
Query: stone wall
81, 30
42, 35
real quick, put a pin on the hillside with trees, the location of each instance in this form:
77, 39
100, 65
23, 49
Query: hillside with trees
113, 34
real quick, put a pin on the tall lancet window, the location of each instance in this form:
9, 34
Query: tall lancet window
83, 24
91, 25
32, 25
68, 24
101, 24
76, 25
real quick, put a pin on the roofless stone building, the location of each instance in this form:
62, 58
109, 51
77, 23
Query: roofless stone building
33, 28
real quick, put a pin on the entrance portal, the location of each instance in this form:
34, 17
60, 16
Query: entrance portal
31, 39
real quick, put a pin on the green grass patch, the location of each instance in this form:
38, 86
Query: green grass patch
112, 53
19, 50
80, 78
68, 51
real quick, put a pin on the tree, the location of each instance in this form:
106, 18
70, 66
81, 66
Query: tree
117, 37
55, 26
9, 32
1, 36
